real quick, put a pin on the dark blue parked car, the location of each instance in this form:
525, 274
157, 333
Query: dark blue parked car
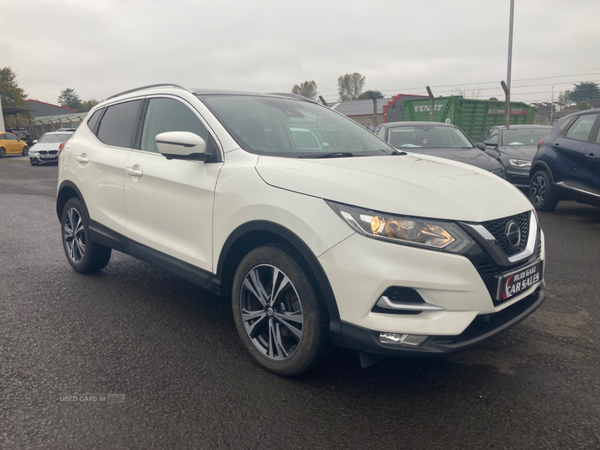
567, 163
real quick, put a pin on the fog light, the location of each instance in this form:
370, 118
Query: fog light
403, 339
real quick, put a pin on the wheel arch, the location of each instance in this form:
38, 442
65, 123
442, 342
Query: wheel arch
258, 233
67, 191
541, 165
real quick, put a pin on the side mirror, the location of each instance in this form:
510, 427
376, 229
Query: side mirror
180, 144
490, 143
35, 142
480, 146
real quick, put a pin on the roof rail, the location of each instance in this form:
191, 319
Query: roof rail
296, 96
150, 86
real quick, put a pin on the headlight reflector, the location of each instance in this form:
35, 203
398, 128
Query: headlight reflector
433, 234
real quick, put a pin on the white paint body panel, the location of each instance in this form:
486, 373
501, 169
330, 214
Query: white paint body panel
422, 186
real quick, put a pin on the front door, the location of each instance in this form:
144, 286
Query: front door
169, 203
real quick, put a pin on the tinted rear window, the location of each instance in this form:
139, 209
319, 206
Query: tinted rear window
118, 124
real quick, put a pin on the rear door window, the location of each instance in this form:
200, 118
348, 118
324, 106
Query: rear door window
118, 124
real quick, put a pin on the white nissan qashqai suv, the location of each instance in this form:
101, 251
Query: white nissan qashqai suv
317, 230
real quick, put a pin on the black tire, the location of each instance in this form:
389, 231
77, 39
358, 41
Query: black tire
84, 255
541, 192
25, 151
286, 330
2, 152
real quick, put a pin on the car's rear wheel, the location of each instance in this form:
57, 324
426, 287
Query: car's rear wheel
541, 192
278, 311
84, 255
2, 152
25, 151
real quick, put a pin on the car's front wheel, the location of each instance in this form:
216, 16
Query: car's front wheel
84, 255
278, 311
541, 192
25, 151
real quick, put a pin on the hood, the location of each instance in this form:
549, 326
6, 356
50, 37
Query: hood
415, 185
473, 156
41, 146
525, 152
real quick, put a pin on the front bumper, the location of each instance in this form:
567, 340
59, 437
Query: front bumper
482, 328
36, 157
361, 269
516, 176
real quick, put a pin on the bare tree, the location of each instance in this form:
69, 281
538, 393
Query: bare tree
463, 92
350, 86
306, 89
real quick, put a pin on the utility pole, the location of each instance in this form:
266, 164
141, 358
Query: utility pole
372, 94
430, 103
506, 104
552, 106
510, 41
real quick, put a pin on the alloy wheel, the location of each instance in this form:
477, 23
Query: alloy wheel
74, 235
271, 312
538, 186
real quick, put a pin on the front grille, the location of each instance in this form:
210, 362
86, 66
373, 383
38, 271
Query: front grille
46, 152
490, 272
498, 229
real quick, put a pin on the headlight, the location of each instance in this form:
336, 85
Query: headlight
519, 163
428, 233
499, 172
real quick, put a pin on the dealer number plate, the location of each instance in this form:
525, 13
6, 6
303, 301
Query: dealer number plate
514, 283
48, 156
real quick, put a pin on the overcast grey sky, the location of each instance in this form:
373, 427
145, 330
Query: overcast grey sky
101, 47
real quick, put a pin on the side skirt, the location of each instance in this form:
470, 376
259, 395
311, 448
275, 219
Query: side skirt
109, 238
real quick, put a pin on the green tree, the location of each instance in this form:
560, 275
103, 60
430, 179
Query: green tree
493, 99
68, 98
370, 94
86, 105
584, 105
350, 86
584, 91
306, 89
10, 92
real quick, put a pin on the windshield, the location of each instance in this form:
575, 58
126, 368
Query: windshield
52, 138
427, 136
292, 128
524, 136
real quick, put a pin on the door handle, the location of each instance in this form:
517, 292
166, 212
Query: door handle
133, 172
82, 158
590, 156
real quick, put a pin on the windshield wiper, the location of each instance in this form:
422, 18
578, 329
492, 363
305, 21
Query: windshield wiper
398, 153
329, 155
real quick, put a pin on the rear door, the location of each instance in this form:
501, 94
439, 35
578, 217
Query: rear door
169, 203
99, 162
